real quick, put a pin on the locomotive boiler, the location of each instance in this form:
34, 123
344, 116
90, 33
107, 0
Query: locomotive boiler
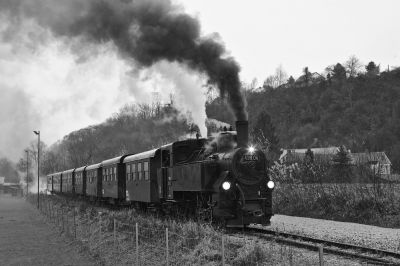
223, 179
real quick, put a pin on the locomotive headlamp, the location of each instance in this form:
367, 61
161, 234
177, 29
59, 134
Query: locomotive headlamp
226, 185
270, 184
252, 149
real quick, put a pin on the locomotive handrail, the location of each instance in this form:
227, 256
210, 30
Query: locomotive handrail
241, 195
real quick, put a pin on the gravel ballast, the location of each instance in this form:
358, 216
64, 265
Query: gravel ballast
351, 233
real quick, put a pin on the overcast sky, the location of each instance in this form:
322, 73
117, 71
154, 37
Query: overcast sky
263, 34
44, 87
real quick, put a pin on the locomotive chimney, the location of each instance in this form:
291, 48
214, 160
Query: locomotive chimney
242, 131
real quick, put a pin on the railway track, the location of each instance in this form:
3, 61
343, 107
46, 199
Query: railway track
371, 255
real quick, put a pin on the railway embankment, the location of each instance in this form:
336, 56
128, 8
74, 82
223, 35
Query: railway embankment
343, 232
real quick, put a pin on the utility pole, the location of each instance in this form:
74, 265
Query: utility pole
27, 172
38, 165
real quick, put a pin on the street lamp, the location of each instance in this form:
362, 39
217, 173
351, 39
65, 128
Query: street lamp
38, 160
27, 172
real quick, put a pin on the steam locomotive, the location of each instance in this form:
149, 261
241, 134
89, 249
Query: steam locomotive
224, 180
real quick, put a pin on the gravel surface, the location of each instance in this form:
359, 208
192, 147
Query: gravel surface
351, 233
284, 255
25, 239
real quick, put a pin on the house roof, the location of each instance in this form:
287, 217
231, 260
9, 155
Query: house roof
370, 157
300, 153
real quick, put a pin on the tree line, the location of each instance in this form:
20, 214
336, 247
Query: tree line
350, 104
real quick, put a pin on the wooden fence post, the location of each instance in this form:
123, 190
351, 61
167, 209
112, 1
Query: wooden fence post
74, 223
166, 244
137, 243
62, 219
100, 226
321, 255
223, 251
115, 235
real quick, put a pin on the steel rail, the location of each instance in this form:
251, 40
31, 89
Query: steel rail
330, 247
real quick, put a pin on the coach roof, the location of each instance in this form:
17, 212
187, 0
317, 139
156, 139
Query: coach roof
80, 169
115, 160
140, 156
93, 166
68, 171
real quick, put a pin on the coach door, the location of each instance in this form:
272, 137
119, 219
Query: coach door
165, 169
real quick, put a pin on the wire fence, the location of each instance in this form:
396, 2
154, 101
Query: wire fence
116, 242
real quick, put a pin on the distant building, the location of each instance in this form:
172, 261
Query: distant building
377, 161
2, 179
290, 156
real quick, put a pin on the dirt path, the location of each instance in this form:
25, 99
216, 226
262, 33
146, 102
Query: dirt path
25, 238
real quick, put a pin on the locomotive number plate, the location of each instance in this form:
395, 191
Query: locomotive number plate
250, 157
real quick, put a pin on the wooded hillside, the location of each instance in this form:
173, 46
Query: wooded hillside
360, 110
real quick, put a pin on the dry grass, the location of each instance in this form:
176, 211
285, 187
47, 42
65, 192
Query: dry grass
374, 204
190, 243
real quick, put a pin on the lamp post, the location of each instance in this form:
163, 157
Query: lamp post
38, 164
27, 172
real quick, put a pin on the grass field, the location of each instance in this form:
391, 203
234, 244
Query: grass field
374, 204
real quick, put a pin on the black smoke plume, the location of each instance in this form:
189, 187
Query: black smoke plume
146, 31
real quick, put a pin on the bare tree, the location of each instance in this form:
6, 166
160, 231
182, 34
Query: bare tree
254, 84
353, 66
281, 75
279, 78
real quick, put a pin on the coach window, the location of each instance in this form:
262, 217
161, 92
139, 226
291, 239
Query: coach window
131, 174
146, 170
139, 169
133, 171
128, 171
115, 173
